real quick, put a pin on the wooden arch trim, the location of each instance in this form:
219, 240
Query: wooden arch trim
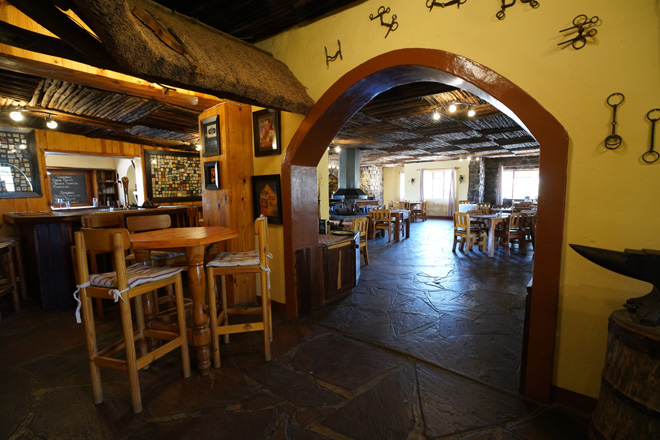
356, 88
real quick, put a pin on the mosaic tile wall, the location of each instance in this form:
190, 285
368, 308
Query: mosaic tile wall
175, 176
14, 152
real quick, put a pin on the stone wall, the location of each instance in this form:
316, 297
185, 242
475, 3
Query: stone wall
371, 182
476, 181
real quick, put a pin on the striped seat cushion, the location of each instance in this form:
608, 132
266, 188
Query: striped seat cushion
137, 274
164, 255
233, 259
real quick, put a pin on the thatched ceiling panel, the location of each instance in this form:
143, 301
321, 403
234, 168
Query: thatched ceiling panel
211, 61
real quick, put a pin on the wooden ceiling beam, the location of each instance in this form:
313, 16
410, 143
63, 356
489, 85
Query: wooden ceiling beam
52, 18
148, 91
18, 37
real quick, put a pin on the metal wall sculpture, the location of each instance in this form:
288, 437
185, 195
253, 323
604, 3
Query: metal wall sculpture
584, 27
392, 26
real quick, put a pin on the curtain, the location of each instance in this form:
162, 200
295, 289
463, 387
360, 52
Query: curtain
500, 191
452, 193
421, 184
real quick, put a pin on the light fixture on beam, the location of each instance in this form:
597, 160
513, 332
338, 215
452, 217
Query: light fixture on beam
50, 123
16, 115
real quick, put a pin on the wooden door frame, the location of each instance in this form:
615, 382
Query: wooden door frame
355, 89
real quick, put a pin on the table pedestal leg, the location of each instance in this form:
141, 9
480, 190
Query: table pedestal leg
491, 239
197, 285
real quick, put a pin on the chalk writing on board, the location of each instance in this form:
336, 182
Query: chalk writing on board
70, 187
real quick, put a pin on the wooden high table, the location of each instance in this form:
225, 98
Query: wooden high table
194, 241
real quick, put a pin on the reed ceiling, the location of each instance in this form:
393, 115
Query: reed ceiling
396, 127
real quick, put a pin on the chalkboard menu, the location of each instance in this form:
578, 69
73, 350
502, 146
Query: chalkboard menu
69, 187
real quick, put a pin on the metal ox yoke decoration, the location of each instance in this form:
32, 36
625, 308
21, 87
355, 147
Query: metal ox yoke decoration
639, 264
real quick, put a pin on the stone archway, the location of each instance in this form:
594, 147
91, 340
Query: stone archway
356, 88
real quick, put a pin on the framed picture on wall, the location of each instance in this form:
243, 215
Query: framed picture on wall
266, 126
267, 197
209, 132
212, 175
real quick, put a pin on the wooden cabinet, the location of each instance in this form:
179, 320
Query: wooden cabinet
326, 271
341, 272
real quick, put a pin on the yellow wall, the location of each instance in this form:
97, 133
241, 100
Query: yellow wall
604, 186
273, 165
391, 184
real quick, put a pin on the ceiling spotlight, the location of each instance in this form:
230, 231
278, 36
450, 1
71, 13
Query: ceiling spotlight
478, 159
337, 149
469, 159
471, 112
198, 147
51, 123
16, 115
452, 108
436, 115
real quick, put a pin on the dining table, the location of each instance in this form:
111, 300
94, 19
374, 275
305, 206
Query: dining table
493, 220
193, 241
402, 218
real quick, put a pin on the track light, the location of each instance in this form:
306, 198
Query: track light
198, 147
337, 149
16, 115
50, 123
452, 108
471, 112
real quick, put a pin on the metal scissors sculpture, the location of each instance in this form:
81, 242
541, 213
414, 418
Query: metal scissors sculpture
584, 28
639, 264
394, 25
613, 141
652, 156
501, 13
431, 3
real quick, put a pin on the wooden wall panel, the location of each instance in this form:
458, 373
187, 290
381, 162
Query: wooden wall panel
231, 206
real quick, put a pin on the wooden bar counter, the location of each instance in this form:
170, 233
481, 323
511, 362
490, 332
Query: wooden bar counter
46, 238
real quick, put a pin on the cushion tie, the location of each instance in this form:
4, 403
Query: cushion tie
116, 294
267, 269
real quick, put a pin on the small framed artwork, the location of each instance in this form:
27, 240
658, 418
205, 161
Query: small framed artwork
266, 125
210, 135
212, 175
267, 197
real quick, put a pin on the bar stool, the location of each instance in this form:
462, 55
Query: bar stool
234, 263
123, 285
8, 278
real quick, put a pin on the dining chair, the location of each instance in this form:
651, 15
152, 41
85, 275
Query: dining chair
484, 207
362, 224
237, 263
467, 234
98, 221
123, 285
383, 221
143, 223
464, 202
514, 230
160, 258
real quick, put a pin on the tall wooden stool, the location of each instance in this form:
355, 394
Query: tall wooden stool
123, 285
234, 263
8, 278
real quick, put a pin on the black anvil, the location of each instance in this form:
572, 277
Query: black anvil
639, 264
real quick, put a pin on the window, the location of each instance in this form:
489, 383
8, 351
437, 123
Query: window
436, 184
402, 185
520, 184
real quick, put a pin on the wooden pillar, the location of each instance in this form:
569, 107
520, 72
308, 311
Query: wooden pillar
231, 204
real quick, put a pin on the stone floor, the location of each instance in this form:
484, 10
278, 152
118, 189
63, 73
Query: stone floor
381, 363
